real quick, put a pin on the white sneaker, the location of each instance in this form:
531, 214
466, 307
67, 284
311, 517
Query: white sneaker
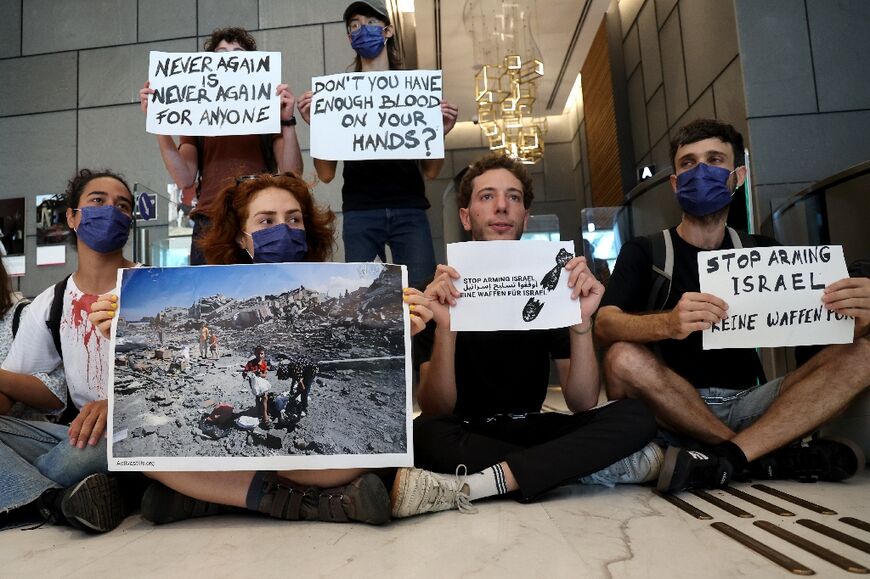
418, 491
640, 467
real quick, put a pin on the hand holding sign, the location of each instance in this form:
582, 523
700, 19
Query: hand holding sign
584, 284
443, 294
850, 297
695, 312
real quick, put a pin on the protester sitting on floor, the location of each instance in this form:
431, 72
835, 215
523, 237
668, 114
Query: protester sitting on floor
61, 469
270, 219
721, 398
481, 392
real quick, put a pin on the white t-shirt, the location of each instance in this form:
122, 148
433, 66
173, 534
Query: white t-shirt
85, 351
53, 381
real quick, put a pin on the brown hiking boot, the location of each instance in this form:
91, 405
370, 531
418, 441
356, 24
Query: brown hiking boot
365, 499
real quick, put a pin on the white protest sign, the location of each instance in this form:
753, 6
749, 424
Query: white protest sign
512, 285
774, 296
377, 115
214, 93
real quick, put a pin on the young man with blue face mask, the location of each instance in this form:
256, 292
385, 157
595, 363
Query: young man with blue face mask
63, 467
720, 398
383, 201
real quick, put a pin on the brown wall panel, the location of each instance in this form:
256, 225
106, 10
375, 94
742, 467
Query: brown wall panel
603, 148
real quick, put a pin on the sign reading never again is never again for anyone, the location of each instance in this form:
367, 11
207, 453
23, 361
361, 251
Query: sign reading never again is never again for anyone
214, 93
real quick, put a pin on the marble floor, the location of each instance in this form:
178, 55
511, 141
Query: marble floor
576, 532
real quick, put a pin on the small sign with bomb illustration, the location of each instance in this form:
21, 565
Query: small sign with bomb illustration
512, 285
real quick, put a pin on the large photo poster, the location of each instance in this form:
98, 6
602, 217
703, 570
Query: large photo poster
266, 366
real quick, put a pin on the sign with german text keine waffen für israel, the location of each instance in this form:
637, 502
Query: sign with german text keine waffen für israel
214, 93
377, 115
512, 285
774, 296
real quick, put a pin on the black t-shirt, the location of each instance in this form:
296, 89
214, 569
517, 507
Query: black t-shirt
380, 184
504, 372
629, 289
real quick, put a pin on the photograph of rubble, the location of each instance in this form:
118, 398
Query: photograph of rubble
264, 366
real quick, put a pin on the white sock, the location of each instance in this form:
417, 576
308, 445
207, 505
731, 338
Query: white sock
486, 483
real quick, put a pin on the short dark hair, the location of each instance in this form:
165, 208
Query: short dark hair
488, 163
231, 34
701, 129
76, 186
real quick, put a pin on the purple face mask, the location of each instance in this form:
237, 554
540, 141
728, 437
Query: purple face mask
103, 228
368, 40
703, 189
279, 244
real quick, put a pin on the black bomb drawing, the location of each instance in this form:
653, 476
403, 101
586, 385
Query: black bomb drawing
549, 282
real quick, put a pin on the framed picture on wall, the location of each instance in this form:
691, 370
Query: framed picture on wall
12, 235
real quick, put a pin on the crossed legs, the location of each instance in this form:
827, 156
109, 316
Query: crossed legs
809, 397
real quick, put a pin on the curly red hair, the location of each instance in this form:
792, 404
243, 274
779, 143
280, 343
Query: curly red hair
228, 213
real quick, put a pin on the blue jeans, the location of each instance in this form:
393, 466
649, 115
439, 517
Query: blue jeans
36, 456
368, 232
738, 409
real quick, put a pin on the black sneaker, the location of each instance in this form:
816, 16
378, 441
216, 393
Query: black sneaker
365, 499
693, 469
94, 504
826, 459
161, 505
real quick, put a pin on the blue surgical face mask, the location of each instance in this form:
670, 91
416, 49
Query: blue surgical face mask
368, 40
703, 189
103, 228
279, 244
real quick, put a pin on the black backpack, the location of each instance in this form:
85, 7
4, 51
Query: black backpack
54, 316
663, 263
16, 315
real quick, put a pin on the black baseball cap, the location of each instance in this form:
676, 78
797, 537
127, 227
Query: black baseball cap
367, 8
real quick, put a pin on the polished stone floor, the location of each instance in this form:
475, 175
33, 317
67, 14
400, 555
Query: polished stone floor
576, 532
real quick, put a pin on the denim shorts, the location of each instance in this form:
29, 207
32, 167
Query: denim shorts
738, 409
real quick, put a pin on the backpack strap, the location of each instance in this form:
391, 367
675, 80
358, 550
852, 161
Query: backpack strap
56, 313
16, 315
662, 269
268, 151
741, 239
54, 316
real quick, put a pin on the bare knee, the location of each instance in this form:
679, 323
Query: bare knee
626, 364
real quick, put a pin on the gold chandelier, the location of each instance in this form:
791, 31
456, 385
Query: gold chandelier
505, 84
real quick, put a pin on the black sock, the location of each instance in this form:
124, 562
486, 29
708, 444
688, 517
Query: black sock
256, 491
734, 454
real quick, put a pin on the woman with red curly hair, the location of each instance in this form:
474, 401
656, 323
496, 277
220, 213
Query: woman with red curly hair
270, 219
247, 218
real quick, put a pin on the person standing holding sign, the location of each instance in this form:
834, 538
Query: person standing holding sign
384, 201
217, 161
653, 323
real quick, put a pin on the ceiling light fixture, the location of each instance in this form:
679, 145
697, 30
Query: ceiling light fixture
509, 66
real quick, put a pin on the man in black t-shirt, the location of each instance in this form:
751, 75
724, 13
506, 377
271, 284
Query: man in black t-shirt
720, 397
481, 392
